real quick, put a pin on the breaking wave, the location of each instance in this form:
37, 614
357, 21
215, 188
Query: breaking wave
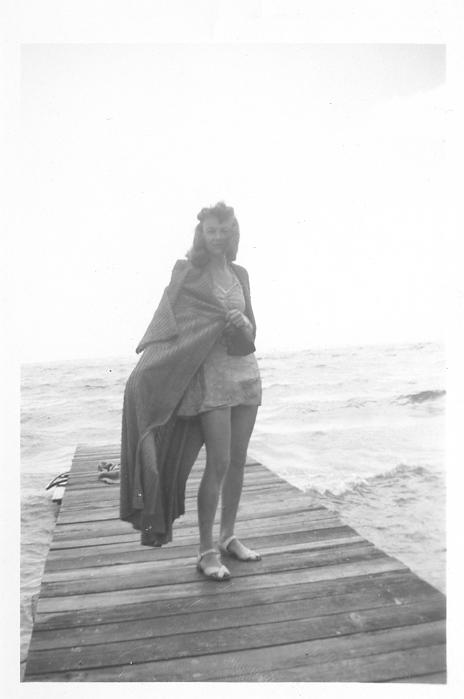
422, 396
397, 475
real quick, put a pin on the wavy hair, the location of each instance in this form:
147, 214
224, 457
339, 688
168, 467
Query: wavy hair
198, 253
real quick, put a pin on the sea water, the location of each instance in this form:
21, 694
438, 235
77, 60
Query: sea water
360, 428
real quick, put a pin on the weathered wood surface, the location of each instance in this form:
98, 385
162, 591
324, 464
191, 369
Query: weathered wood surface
322, 605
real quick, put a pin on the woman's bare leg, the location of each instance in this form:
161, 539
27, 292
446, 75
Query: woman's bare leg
216, 426
242, 422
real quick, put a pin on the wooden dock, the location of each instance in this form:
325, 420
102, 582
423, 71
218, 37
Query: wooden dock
323, 604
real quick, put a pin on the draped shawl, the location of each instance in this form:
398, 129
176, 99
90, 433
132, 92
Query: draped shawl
184, 328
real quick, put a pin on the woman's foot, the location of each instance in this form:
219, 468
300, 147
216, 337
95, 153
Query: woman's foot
233, 547
210, 565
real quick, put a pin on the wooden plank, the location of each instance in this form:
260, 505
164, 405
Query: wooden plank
427, 678
175, 589
232, 615
115, 526
78, 494
105, 499
234, 665
98, 492
88, 468
179, 557
105, 555
381, 667
153, 573
264, 529
88, 481
267, 504
390, 586
269, 492
232, 639
252, 499
189, 533
108, 509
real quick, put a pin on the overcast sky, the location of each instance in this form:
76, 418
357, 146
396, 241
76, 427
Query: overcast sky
332, 156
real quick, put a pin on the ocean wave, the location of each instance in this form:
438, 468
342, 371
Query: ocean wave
35, 385
360, 485
31, 440
98, 385
333, 397
359, 402
421, 397
404, 470
276, 385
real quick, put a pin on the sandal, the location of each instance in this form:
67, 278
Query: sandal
250, 556
218, 573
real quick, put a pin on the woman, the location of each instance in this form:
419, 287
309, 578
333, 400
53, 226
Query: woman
196, 383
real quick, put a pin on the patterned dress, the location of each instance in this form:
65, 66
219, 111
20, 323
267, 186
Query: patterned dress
223, 380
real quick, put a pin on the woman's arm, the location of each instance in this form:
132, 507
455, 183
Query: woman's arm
239, 320
244, 279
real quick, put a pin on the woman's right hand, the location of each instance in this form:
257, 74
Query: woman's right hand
235, 318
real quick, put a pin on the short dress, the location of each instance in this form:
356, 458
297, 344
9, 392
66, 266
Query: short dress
223, 380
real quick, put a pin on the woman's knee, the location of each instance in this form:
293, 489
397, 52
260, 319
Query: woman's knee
216, 466
237, 457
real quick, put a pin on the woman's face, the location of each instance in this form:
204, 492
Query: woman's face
216, 235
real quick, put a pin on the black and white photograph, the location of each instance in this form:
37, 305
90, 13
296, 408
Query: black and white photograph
232, 348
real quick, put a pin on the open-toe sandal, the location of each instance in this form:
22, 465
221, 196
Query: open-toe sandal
224, 548
214, 572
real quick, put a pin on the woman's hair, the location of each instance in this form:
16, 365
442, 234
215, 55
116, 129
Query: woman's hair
198, 254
